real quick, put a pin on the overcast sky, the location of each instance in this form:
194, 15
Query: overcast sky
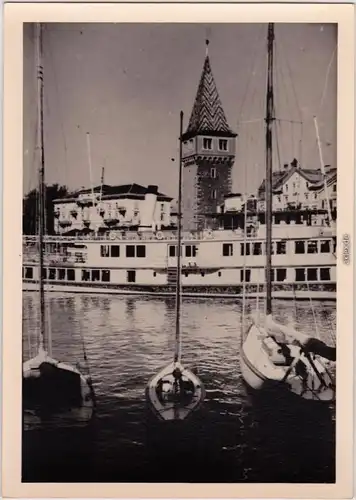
126, 84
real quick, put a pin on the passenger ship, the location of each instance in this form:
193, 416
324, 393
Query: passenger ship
213, 262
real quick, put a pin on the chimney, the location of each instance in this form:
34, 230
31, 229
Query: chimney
152, 189
286, 166
148, 208
294, 163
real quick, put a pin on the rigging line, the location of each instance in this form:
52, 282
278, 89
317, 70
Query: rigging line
277, 145
242, 333
87, 365
251, 73
251, 121
288, 121
291, 78
300, 156
29, 341
51, 53
258, 273
326, 79
313, 312
280, 77
243, 314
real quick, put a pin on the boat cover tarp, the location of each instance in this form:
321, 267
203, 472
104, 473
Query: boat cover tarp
288, 335
54, 388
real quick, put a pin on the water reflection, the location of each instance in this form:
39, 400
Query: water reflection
127, 340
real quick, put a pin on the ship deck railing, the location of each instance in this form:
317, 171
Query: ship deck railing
188, 236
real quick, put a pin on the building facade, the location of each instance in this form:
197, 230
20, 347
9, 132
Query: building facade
113, 207
208, 156
299, 188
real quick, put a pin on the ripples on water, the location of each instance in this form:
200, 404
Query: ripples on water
127, 340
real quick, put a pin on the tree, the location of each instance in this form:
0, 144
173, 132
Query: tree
30, 208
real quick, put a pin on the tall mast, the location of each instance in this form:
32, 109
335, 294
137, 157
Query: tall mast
322, 165
178, 288
90, 168
41, 179
269, 121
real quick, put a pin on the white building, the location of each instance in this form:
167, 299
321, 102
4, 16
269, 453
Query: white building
108, 207
331, 186
299, 188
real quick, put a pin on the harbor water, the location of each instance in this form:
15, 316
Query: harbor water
127, 340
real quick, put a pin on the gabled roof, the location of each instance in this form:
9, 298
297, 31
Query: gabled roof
111, 192
313, 176
208, 116
277, 177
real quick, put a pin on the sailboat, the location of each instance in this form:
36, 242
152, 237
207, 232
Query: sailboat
175, 392
273, 355
50, 387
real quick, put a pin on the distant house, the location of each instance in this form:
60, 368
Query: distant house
297, 188
109, 207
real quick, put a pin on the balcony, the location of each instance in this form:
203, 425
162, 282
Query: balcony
86, 202
65, 223
111, 221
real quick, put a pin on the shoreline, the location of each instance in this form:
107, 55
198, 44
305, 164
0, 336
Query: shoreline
204, 293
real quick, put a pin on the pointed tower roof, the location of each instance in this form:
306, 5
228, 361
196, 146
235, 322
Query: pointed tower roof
208, 116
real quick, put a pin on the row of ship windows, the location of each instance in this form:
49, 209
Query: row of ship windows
256, 248
279, 274
280, 247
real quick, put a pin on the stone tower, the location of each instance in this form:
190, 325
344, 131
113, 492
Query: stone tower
208, 156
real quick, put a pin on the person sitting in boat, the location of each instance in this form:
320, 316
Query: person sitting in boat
164, 390
310, 345
178, 382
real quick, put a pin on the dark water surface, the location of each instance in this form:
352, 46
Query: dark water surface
236, 438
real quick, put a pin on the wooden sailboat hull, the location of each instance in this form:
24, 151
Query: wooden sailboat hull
261, 374
168, 409
53, 389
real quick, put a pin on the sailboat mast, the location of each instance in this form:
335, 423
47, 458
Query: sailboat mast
41, 179
269, 121
179, 250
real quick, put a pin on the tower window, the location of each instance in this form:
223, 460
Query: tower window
213, 172
223, 144
213, 194
207, 143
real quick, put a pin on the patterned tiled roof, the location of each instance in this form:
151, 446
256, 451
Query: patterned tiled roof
208, 115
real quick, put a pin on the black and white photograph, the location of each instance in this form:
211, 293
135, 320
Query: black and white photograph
180, 252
